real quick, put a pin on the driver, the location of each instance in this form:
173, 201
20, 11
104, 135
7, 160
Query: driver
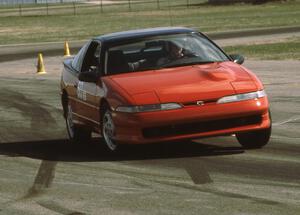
174, 52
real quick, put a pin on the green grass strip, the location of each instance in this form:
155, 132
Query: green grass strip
274, 51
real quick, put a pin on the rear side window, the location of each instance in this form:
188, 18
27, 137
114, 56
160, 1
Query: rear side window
91, 60
78, 59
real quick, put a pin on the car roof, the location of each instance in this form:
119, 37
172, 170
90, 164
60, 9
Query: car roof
141, 33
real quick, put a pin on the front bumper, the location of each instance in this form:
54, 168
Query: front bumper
192, 122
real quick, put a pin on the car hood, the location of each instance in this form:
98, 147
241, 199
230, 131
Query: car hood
186, 84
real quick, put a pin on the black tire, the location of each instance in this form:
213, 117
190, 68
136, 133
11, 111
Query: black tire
77, 134
107, 129
254, 139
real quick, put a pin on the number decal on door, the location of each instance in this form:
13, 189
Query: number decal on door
81, 94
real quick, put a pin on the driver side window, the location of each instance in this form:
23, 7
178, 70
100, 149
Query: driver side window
91, 60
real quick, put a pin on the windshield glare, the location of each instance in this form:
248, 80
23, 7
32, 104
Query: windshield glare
162, 52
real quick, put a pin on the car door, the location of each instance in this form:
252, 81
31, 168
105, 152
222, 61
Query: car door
72, 67
87, 107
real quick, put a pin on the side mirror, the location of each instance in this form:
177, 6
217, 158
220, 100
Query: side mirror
88, 76
239, 59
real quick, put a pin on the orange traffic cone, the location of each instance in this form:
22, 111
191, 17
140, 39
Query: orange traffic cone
67, 50
40, 64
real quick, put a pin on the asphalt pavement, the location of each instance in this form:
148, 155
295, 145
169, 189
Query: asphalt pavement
42, 173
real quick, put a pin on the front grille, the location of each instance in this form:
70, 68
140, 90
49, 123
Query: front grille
204, 102
199, 127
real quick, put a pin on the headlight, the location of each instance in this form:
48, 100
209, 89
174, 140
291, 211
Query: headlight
242, 97
147, 108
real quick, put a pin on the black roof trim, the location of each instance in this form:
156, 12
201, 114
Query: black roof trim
140, 33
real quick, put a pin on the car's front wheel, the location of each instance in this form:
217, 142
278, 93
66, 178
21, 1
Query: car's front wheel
108, 131
254, 139
77, 134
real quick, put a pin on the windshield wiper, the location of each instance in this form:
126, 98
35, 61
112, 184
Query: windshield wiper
170, 65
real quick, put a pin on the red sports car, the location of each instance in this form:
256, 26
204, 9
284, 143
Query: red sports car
161, 84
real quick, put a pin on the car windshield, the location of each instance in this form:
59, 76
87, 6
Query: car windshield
162, 52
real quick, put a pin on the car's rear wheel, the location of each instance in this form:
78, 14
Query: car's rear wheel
77, 134
254, 139
108, 131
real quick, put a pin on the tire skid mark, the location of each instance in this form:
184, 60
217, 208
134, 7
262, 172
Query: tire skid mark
281, 136
275, 171
199, 174
291, 119
102, 186
43, 179
282, 83
197, 171
53, 206
37, 111
211, 190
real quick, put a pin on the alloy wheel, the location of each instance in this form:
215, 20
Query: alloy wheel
108, 131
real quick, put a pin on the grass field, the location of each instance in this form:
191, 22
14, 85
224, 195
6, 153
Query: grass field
206, 18
94, 7
273, 51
